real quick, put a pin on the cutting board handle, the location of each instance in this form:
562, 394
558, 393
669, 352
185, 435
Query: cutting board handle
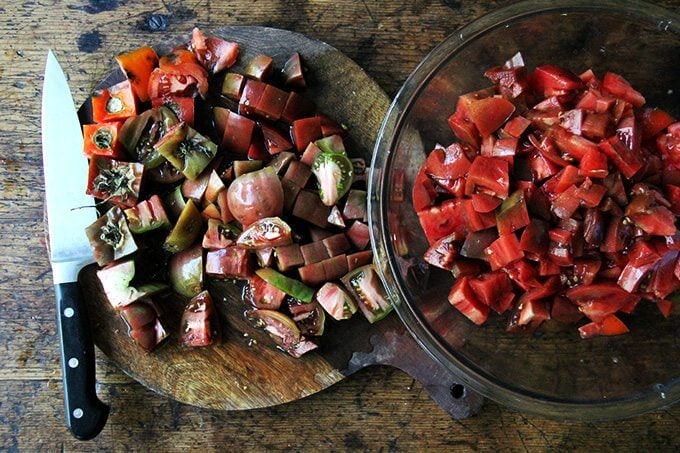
401, 351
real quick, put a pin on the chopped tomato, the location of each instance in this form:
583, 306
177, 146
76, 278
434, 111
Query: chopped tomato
182, 107
137, 66
490, 114
447, 164
490, 175
213, 53
440, 221
503, 251
463, 298
551, 79
611, 325
102, 140
619, 87
115, 103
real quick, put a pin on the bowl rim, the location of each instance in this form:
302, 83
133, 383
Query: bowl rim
606, 409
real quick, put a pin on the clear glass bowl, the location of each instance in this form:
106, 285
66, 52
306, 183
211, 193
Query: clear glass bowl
552, 372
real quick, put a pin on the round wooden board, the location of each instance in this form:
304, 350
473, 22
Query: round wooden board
244, 370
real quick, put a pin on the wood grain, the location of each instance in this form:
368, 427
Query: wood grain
379, 408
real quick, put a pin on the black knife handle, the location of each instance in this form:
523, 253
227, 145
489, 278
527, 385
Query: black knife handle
85, 414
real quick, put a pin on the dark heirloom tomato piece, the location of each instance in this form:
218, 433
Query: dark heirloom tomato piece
443, 252
653, 121
200, 324
292, 72
513, 214
230, 262
187, 150
308, 316
611, 325
255, 195
182, 107
238, 133
282, 330
102, 140
271, 103
297, 107
139, 134
259, 67
186, 271
250, 97
266, 232
219, 235
115, 103
110, 237
114, 181
334, 174
137, 66
594, 165
571, 144
232, 86
305, 131
144, 325
274, 140
290, 286
423, 193
336, 301
367, 288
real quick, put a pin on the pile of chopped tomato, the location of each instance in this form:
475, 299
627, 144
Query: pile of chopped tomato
249, 184
559, 200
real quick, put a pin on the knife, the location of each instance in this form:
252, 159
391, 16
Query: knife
69, 211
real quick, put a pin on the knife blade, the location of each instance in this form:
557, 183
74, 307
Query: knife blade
69, 210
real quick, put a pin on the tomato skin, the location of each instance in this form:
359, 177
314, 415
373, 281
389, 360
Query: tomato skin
551, 78
654, 121
182, 107
214, 54
440, 221
489, 114
255, 195
238, 133
619, 87
490, 174
305, 131
110, 132
115, 103
137, 66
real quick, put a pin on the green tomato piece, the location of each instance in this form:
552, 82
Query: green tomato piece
288, 285
186, 271
334, 173
140, 133
175, 202
187, 150
186, 230
116, 283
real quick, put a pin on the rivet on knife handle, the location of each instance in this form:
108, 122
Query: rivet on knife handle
85, 414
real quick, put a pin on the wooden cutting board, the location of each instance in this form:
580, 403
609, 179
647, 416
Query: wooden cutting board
244, 370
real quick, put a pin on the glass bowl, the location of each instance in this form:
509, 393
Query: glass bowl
551, 372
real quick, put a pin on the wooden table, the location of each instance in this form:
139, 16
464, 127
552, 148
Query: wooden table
378, 408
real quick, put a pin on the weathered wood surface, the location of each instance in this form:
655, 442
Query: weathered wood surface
379, 408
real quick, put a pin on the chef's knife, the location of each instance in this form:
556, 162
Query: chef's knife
69, 211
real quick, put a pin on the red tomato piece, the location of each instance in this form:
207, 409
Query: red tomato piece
214, 54
464, 129
443, 252
115, 103
549, 79
489, 174
490, 289
503, 251
517, 126
250, 97
450, 163
238, 133
489, 114
443, 220
611, 325
654, 121
424, 192
619, 87
482, 202
596, 126
569, 143
478, 221
463, 298
622, 156
594, 165
102, 140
